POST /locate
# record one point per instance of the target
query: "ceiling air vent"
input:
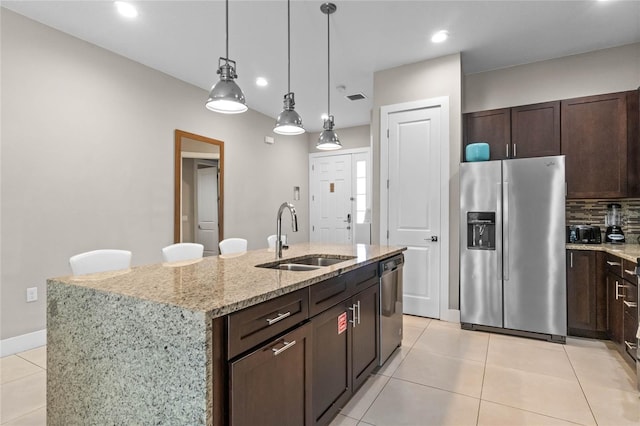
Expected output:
(356, 97)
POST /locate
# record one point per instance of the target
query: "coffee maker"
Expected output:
(613, 221)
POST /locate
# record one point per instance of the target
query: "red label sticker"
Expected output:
(342, 323)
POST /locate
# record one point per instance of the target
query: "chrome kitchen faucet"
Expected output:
(294, 226)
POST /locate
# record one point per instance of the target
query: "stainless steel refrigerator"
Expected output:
(512, 247)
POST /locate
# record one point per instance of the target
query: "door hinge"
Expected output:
(313, 198)
(387, 234)
(313, 228)
(387, 183)
(387, 133)
(313, 167)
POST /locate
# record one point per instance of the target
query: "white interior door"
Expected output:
(414, 204)
(206, 232)
(331, 199)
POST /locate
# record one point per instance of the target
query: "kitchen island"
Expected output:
(148, 345)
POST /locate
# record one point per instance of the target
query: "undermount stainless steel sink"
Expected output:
(320, 260)
(306, 263)
(294, 267)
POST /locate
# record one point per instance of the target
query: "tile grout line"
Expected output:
(30, 362)
(391, 376)
(24, 415)
(484, 373)
(580, 384)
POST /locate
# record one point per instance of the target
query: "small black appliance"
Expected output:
(584, 234)
(613, 220)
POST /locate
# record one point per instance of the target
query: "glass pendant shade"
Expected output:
(289, 121)
(226, 96)
(328, 139)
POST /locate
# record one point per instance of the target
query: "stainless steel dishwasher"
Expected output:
(390, 272)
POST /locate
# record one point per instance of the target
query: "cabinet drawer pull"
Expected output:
(630, 345)
(507, 150)
(618, 287)
(514, 150)
(358, 312)
(354, 308)
(280, 317)
(613, 263)
(630, 304)
(630, 272)
(286, 346)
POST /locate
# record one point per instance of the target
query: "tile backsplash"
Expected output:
(593, 212)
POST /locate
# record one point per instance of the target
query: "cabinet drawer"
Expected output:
(256, 324)
(630, 328)
(325, 294)
(613, 264)
(629, 271)
(630, 299)
(364, 277)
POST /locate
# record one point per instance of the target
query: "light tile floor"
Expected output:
(441, 375)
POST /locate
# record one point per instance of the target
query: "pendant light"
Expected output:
(289, 121)
(328, 139)
(226, 96)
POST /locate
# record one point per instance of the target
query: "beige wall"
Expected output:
(350, 138)
(424, 80)
(602, 71)
(87, 162)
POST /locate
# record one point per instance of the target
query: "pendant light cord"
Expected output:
(227, 25)
(328, 70)
(288, 47)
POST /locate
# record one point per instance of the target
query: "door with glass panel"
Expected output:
(340, 202)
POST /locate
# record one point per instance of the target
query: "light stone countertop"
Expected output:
(630, 252)
(220, 285)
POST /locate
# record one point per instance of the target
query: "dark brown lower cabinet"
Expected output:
(365, 335)
(331, 367)
(272, 385)
(586, 294)
(345, 351)
(630, 308)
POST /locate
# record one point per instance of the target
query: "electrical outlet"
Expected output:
(32, 294)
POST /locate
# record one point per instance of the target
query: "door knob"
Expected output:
(434, 238)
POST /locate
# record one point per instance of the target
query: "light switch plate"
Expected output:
(32, 294)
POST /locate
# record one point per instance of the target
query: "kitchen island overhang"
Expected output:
(140, 345)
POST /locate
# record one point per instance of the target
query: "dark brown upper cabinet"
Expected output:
(492, 127)
(535, 130)
(600, 140)
(518, 132)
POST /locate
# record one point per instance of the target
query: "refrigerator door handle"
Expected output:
(499, 232)
(505, 231)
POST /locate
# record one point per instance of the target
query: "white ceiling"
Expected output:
(185, 38)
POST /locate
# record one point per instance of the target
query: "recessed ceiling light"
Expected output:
(261, 81)
(440, 36)
(126, 9)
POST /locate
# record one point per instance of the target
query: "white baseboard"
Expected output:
(450, 315)
(22, 343)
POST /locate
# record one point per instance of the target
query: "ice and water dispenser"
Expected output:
(481, 230)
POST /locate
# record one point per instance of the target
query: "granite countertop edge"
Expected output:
(630, 252)
(218, 286)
